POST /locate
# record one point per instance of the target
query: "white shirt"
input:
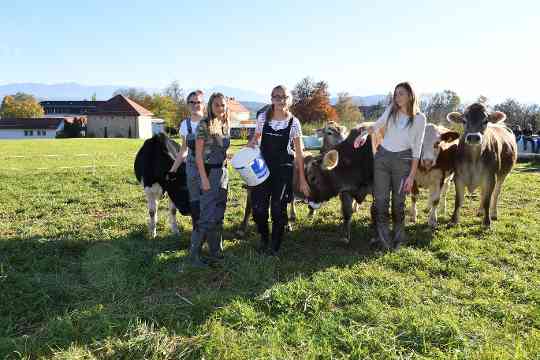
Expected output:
(184, 129)
(398, 136)
(296, 128)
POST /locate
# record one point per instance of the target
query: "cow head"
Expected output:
(435, 138)
(475, 120)
(332, 134)
(317, 171)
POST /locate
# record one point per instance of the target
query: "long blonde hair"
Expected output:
(270, 111)
(217, 127)
(412, 106)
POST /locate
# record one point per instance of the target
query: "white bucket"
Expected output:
(251, 166)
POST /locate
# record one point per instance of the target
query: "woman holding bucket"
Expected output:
(396, 161)
(276, 130)
(211, 144)
(188, 131)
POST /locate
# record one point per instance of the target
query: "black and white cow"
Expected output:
(152, 163)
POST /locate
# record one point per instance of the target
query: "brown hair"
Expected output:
(194, 93)
(412, 105)
(270, 111)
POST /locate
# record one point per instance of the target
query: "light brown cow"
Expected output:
(486, 153)
(436, 169)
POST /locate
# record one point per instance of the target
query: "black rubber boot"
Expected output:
(215, 244)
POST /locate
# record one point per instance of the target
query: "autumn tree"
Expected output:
(165, 108)
(347, 111)
(21, 105)
(311, 102)
(176, 93)
(439, 105)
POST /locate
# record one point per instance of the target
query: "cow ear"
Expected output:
(449, 136)
(330, 160)
(455, 117)
(497, 116)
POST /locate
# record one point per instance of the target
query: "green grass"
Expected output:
(80, 280)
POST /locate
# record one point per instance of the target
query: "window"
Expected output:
(30, 132)
(25, 133)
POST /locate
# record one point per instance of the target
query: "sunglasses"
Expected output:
(195, 102)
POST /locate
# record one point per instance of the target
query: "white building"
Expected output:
(30, 128)
(120, 117)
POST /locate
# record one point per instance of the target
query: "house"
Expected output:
(30, 128)
(120, 117)
(239, 117)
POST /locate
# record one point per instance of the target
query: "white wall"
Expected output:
(19, 134)
(145, 127)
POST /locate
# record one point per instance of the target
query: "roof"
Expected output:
(83, 103)
(235, 106)
(30, 123)
(121, 106)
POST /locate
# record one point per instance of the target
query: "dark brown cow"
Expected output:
(436, 168)
(486, 153)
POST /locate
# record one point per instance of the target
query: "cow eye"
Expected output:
(436, 145)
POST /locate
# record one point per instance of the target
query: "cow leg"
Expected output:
(495, 197)
(292, 217)
(172, 218)
(153, 194)
(460, 195)
(444, 191)
(480, 212)
(346, 211)
(414, 199)
(435, 197)
(355, 206)
(247, 213)
(487, 192)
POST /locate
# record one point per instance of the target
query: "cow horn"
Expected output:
(330, 160)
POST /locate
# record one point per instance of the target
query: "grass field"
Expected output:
(80, 280)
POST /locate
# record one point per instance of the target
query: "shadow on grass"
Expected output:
(71, 289)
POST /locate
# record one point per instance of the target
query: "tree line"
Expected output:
(311, 103)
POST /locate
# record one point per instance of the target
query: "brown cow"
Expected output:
(486, 153)
(436, 168)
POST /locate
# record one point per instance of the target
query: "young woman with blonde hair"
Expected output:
(211, 144)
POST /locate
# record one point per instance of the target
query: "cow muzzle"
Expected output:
(473, 139)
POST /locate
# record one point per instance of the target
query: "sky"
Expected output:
(471, 47)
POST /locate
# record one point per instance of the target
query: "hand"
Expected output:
(205, 184)
(360, 140)
(304, 188)
(408, 184)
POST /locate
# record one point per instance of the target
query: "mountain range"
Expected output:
(74, 91)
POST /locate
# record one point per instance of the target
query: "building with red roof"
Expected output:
(120, 117)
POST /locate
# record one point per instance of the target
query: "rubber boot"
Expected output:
(195, 250)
